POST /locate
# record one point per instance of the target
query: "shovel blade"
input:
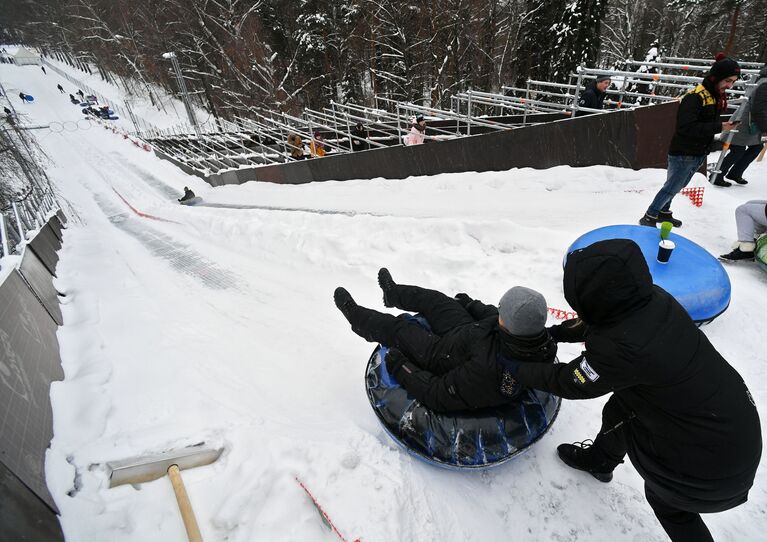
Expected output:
(137, 470)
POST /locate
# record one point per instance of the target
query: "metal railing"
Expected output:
(22, 217)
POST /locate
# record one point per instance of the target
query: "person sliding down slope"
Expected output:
(188, 195)
(461, 363)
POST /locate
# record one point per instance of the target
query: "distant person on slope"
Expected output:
(417, 133)
(9, 116)
(188, 194)
(697, 122)
(594, 96)
(460, 363)
(43, 68)
(61, 89)
(748, 142)
(23, 97)
(751, 221)
(682, 413)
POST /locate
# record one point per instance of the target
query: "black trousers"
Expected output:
(738, 159)
(610, 443)
(424, 348)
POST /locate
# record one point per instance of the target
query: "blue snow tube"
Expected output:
(469, 440)
(693, 276)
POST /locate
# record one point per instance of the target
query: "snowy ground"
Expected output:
(218, 324)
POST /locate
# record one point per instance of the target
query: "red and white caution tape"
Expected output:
(325, 517)
(560, 314)
(126, 135)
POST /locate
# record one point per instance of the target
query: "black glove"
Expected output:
(394, 361)
(463, 299)
(569, 331)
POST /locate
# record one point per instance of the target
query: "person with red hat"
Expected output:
(697, 122)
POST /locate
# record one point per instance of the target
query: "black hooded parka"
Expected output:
(691, 425)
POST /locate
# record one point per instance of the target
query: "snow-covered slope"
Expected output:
(218, 324)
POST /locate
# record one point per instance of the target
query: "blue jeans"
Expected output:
(680, 171)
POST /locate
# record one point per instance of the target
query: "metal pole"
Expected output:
(312, 144)
(399, 127)
(19, 225)
(527, 104)
(4, 235)
(468, 115)
(184, 92)
(577, 89)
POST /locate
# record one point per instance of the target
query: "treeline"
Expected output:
(288, 54)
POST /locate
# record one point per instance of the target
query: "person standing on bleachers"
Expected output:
(296, 146)
(317, 147)
(594, 96)
(417, 133)
(359, 138)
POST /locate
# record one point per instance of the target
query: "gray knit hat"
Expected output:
(523, 311)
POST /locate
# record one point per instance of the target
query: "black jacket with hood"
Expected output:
(466, 369)
(693, 431)
(591, 98)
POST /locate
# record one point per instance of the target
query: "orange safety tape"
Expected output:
(139, 213)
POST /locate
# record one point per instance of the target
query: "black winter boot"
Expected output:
(739, 180)
(344, 302)
(721, 182)
(667, 216)
(388, 285)
(582, 456)
(648, 220)
(742, 252)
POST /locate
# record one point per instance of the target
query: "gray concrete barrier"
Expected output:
(29, 362)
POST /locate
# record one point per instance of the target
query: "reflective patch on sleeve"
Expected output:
(590, 373)
(578, 377)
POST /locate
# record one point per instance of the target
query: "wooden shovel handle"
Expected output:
(184, 505)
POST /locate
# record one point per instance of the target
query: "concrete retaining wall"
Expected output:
(29, 362)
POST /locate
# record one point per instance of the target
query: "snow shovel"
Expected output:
(138, 470)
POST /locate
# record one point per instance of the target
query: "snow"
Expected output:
(218, 325)
(168, 114)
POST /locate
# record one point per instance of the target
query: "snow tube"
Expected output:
(191, 201)
(468, 440)
(761, 252)
(29, 98)
(693, 276)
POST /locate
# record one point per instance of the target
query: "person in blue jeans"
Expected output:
(697, 122)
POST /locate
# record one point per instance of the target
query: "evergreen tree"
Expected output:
(577, 37)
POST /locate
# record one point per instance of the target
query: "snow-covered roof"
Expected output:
(25, 56)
